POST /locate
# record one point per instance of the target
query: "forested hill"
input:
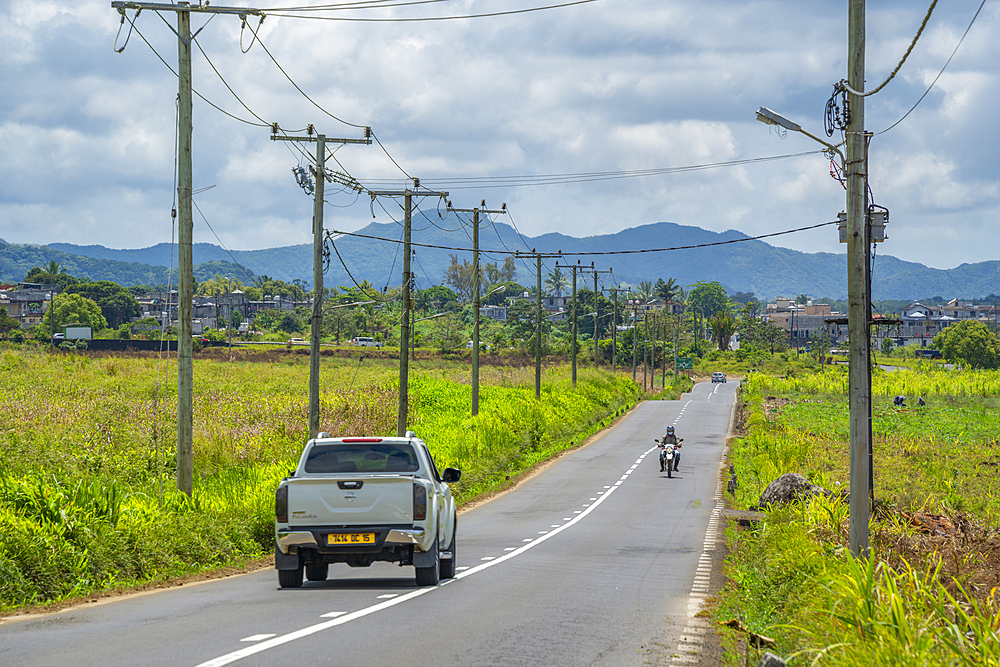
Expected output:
(16, 260)
(750, 266)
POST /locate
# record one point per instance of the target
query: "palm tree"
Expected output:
(556, 281)
(645, 290)
(54, 267)
(666, 290)
(723, 326)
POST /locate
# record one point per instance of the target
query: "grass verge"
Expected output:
(928, 593)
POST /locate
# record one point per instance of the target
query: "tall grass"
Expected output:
(792, 578)
(87, 463)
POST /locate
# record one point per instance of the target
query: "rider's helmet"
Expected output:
(670, 430)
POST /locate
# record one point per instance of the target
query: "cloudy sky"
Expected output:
(87, 134)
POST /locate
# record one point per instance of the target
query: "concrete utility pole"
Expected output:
(316, 319)
(404, 319)
(185, 227)
(858, 314)
(475, 293)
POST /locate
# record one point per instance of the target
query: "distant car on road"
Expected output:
(482, 346)
(295, 341)
(718, 377)
(365, 341)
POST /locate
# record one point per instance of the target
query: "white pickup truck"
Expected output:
(361, 500)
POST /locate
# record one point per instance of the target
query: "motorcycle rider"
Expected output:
(670, 440)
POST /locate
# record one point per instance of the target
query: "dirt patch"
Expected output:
(965, 552)
(773, 406)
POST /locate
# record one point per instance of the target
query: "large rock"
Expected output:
(788, 488)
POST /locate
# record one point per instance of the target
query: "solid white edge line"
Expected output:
(347, 618)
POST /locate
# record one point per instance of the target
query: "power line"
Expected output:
(947, 62)
(605, 252)
(913, 43)
(205, 99)
(235, 261)
(256, 34)
(390, 157)
(426, 18)
(460, 183)
(361, 4)
(225, 83)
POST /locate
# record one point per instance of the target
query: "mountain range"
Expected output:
(740, 265)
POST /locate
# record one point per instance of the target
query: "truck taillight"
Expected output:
(281, 504)
(419, 502)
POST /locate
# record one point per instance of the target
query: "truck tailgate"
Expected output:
(368, 500)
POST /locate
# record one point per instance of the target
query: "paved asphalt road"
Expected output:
(598, 560)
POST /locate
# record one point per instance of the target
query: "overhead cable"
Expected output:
(947, 62)
(256, 35)
(477, 182)
(428, 18)
(226, 84)
(205, 99)
(605, 252)
(913, 43)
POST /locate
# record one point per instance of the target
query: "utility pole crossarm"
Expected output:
(275, 137)
(185, 7)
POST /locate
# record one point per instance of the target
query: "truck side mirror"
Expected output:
(451, 475)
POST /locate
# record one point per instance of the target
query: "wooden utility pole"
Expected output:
(538, 327)
(185, 227)
(597, 302)
(316, 319)
(645, 349)
(857, 286)
(635, 318)
(539, 317)
(185, 263)
(614, 330)
(404, 320)
(575, 267)
(475, 293)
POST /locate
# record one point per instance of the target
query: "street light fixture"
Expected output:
(858, 236)
(769, 117)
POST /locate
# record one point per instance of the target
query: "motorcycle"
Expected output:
(668, 455)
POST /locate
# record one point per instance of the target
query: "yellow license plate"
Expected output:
(351, 538)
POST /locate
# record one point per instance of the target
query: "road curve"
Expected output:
(598, 560)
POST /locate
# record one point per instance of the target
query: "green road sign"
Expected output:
(684, 363)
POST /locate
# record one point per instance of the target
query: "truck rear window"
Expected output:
(375, 457)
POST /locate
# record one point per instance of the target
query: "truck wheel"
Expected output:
(317, 572)
(430, 576)
(290, 578)
(448, 564)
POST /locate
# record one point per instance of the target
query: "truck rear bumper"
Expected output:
(316, 538)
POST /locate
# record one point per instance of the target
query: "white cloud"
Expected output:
(631, 84)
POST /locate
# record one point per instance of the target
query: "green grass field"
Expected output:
(87, 452)
(924, 597)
